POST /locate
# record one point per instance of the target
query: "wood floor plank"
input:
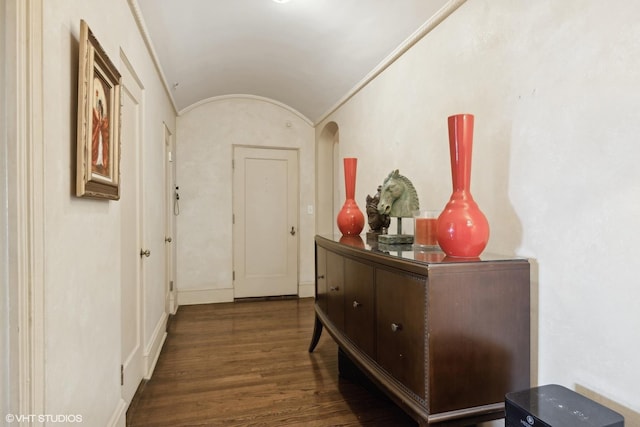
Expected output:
(247, 364)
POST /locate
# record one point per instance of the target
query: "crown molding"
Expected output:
(144, 33)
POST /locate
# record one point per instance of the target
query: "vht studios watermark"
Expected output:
(43, 418)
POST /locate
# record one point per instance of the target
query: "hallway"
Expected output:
(246, 363)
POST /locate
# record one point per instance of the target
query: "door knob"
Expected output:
(293, 231)
(146, 253)
(395, 327)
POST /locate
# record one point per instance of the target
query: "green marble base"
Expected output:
(395, 239)
(397, 248)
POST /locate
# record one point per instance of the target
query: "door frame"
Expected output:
(25, 197)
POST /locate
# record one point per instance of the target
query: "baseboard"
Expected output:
(212, 296)
(153, 349)
(119, 417)
(204, 296)
(306, 290)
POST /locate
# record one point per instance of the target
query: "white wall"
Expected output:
(205, 138)
(82, 236)
(553, 86)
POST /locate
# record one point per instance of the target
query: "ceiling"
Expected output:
(306, 54)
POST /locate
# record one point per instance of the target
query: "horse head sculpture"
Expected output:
(398, 197)
(377, 221)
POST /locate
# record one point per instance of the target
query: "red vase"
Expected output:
(353, 240)
(463, 230)
(350, 218)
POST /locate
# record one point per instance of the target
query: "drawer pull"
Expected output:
(334, 288)
(321, 277)
(356, 304)
(395, 327)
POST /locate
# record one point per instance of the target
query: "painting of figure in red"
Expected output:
(100, 131)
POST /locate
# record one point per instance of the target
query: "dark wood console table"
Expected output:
(445, 339)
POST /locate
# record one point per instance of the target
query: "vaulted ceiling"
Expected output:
(307, 54)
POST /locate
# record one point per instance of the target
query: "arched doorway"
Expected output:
(327, 168)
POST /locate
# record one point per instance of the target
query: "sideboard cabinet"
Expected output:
(444, 338)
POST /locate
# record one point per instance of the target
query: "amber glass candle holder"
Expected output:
(425, 227)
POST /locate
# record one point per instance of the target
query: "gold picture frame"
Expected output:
(98, 140)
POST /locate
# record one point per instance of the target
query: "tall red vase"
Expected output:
(350, 218)
(463, 230)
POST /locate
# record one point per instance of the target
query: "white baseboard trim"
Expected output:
(119, 416)
(212, 296)
(153, 349)
(306, 290)
(204, 296)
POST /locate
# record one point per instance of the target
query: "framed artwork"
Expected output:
(98, 145)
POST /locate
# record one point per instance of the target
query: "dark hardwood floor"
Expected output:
(247, 364)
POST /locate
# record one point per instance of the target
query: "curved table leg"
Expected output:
(317, 331)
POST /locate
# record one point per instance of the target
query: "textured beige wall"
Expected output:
(553, 88)
(82, 237)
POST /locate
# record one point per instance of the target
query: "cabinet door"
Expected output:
(335, 289)
(358, 322)
(400, 327)
(321, 278)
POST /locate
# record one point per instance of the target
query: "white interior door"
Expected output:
(265, 232)
(169, 221)
(131, 120)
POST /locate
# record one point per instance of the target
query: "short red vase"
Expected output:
(463, 230)
(350, 218)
